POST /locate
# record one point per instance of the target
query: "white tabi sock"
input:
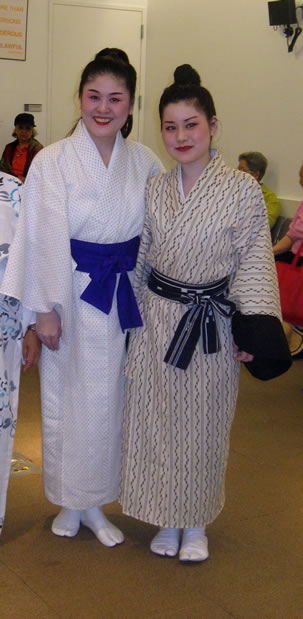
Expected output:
(105, 531)
(194, 545)
(67, 523)
(166, 542)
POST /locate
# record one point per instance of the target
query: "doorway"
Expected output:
(77, 33)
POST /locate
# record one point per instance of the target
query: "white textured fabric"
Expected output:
(12, 322)
(177, 423)
(69, 193)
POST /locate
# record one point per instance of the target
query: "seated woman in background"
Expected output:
(255, 164)
(284, 250)
(18, 155)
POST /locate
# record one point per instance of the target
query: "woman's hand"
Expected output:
(48, 328)
(241, 355)
(283, 245)
(31, 349)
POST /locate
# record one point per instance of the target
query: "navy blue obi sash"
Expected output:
(103, 263)
(203, 301)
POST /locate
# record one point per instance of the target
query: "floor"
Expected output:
(255, 569)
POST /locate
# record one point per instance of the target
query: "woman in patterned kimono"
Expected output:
(15, 321)
(205, 263)
(77, 241)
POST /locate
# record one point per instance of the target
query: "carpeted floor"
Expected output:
(255, 569)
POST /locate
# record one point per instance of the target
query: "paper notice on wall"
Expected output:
(13, 24)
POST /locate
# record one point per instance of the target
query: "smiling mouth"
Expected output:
(183, 149)
(102, 121)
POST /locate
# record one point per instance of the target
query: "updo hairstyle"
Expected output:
(187, 87)
(115, 61)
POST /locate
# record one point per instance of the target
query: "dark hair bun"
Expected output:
(113, 52)
(185, 74)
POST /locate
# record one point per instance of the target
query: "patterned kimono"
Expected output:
(70, 194)
(178, 422)
(13, 322)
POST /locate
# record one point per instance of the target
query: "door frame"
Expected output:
(140, 89)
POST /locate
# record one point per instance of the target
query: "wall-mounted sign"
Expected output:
(13, 25)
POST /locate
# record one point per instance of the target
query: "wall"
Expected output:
(256, 84)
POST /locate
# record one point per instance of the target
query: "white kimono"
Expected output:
(13, 323)
(69, 193)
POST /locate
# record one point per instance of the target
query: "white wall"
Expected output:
(256, 84)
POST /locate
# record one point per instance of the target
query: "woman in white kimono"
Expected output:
(15, 321)
(207, 291)
(77, 240)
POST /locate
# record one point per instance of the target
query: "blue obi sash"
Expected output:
(103, 263)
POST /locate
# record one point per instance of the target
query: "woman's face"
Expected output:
(301, 176)
(105, 106)
(23, 133)
(187, 133)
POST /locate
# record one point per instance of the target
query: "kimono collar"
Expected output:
(81, 137)
(214, 162)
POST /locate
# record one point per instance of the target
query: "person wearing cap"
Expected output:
(18, 155)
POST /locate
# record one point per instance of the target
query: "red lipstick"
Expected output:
(183, 149)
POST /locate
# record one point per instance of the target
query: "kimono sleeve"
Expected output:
(10, 198)
(256, 325)
(39, 271)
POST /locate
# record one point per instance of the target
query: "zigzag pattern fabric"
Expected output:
(177, 422)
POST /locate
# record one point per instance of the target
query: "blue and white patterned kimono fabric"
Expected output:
(11, 330)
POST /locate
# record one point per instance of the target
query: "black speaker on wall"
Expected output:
(282, 12)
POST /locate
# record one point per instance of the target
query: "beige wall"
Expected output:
(256, 84)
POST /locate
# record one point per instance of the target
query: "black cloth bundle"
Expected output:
(262, 336)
